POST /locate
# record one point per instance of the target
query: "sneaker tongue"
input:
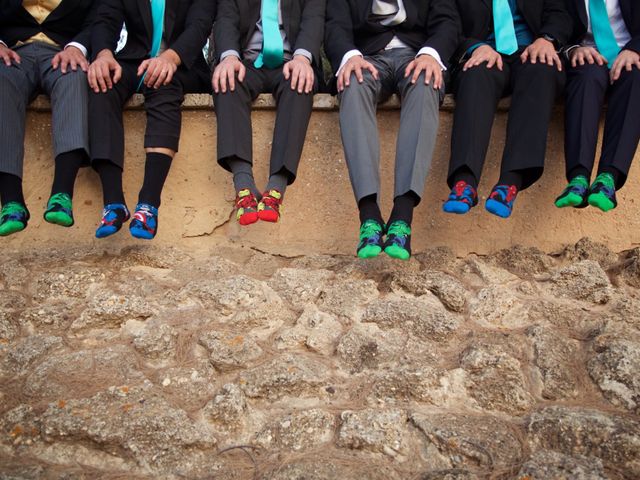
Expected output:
(275, 194)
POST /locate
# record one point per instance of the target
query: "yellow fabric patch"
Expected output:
(40, 10)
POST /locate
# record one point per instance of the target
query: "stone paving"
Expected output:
(234, 364)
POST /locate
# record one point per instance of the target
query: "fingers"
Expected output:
(84, 65)
(102, 71)
(525, 55)
(117, 72)
(499, 62)
(372, 69)
(224, 76)
(359, 75)
(153, 70)
(215, 79)
(491, 62)
(91, 77)
(242, 70)
(558, 62)
(143, 66)
(286, 70)
(311, 79)
(409, 68)
(231, 77)
(55, 61)
(8, 55)
(295, 74)
(161, 78)
(64, 63)
(419, 67)
(346, 74)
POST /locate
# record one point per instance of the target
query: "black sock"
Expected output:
(466, 175)
(403, 206)
(577, 171)
(513, 177)
(67, 166)
(242, 175)
(156, 169)
(278, 181)
(369, 209)
(613, 171)
(11, 189)
(111, 179)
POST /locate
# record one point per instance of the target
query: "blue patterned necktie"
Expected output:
(272, 54)
(505, 31)
(602, 31)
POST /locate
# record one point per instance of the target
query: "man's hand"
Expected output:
(225, 73)
(484, 53)
(70, 56)
(355, 64)
(160, 69)
(626, 59)
(7, 55)
(584, 55)
(301, 73)
(99, 75)
(544, 51)
(431, 68)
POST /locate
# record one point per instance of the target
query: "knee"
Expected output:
(590, 74)
(632, 76)
(357, 89)
(72, 79)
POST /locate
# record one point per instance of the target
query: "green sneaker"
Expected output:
(59, 210)
(398, 244)
(13, 218)
(575, 193)
(370, 244)
(602, 193)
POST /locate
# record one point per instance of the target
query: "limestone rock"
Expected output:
(227, 410)
(437, 258)
(579, 431)
(447, 288)
(298, 431)
(565, 315)
(450, 474)
(380, 431)
(190, 387)
(344, 298)
(496, 379)
(300, 287)
(498, 306)
(488, 273)
(11, 300)
(262, 320)
(20, 356)
(587, 249)
(73, 281)
(522, 261)
(552, 465)
(404, 384)
(8, 327)
(109, 309)
(631, 269)
(318, 331)
(228, 350)
(156, 341)
(365, 346)
(585, 280)
(333, 468)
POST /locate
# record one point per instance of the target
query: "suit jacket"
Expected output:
(303, 23)
(630, 13)
(429, 23)
(69, 22)
(543, 17)
(187, 25)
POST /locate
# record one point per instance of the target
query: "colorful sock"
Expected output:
(113, 217)
(403, 206)
(370, 243)
(575, 193)
(242, 175)
(602, 193)
(156, 169)
(144, 223)
(500, 201)
(59, 210)
(67, 166)
(13, 218)
(369, 209)
(11, 189)
(269, 206)
(398, 244)
(111, 179)
(465, 175)
(463, 197)
(246, 207)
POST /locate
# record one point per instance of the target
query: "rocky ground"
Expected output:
(235, 364)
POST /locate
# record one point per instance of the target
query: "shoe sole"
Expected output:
(595, 199)
(9, 228)
(369, 252)
(459, 208)
(397, 253)
(62, 220)
(497, 208)
(248, 219)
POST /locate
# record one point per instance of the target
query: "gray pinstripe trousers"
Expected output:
(20, 84)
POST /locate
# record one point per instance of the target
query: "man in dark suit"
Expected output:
(43, 48)
(163, 60)
(509, 47)
(377, 48)
(265, 46)
(605, 61)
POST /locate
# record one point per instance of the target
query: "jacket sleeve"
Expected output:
(197, 28)
(105, 30)
(226, 29)
(312, 28)
(443, 28)
(338, 32)
(557, 22)
(84, 36)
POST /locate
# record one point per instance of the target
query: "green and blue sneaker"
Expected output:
(370, 244)
(398, 244)
(13, 218)
(602, 193)
(59, 210)
(575, 193)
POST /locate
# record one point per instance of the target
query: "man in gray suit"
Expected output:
(43, 48)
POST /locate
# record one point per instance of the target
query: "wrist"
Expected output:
(172, 56)
(303, 58)
(106, 53)
(549, 39)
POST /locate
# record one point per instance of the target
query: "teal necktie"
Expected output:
(157, 18)
(272, 54)
(505, 31)
(602, 32)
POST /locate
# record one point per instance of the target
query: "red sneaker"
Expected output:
(270, 205)
(247, 207)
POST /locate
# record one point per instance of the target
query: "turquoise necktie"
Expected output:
(157, 18)
(272, 54)
(602, 32)
(505, 31)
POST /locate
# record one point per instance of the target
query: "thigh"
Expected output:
(23, 76)
(537, 79)
(482, 80)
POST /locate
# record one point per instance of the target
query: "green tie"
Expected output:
(602, 32)
(505, 31)
(157, 17)
(272, 54)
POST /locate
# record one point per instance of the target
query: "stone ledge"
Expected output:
(203, 101)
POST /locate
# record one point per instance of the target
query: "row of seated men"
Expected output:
(532, 50)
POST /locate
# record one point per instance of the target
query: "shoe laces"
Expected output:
(246, 199)
(399, 229)
(272, 199)
(13, 211)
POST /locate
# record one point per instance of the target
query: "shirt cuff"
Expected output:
(304, 53)
(229, 53)
(2, 43)
(346, 57)
(432, 52)
(79, 46)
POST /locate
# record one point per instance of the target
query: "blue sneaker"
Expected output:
(500, 201)
(144, 223)
(113, 217)
(462, 198)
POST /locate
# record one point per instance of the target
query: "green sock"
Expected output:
(13, 218)
(370, 243)
(59, 210)
(574, 193)
(603, 192)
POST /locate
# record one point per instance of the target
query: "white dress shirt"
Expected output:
(620, 31)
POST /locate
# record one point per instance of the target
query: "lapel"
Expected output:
(251, 12)
(489, 4)
(63, 8)
(169, 17)
(145, 11)
(285, 10)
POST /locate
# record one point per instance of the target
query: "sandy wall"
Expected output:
(320, 212)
